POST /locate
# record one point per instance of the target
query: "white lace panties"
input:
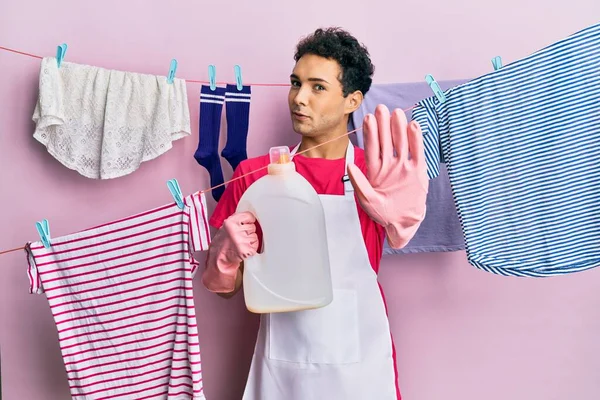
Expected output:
(105, 123)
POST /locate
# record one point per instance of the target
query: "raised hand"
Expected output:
(394, 192)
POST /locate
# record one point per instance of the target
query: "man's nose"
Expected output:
(301, 97)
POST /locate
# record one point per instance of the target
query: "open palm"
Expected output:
(394, 192)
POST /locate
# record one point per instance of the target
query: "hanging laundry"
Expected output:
(207, 153)
(238, 115)
(521, 147)
(440, 230)
(105, 123)
(122, 299)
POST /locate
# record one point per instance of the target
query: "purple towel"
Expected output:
(440, 230)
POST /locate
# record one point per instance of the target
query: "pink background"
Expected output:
(460, 333)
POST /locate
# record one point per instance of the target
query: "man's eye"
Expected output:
(319, 87)
(295, 83)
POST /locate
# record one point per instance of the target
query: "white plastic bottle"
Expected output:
(292, 271)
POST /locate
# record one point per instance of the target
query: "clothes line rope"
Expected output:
(241, 176)
(297, 153)
(228, 181)
(11, 250)
(187, 80)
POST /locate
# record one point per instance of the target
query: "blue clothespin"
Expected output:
(238, 77)
(437, 90)
(176, 192)
(212, 76)
(497, 63)
(172, 70)
(43, 229)
(60, 53)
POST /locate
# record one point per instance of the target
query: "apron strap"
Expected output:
(348, 188)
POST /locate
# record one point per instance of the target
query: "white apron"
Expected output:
(342, 351)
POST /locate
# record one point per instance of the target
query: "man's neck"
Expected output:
(329, 148)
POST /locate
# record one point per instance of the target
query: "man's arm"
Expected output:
(236, 239)
(238, 283)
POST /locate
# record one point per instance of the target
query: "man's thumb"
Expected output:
(361, 184)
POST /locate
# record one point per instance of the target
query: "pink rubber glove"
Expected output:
(235, 241)
(395, 190)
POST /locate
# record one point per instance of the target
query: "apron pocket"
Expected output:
(327, 335)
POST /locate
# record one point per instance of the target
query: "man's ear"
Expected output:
(353, 101)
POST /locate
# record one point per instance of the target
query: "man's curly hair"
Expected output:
(339, 45)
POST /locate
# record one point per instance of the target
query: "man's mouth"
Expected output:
(300, 116)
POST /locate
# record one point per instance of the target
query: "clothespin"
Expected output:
(60, 53)
(175, 190)
(497, 63)
(212, 76)
(43, 229)
(437, 90)
(172, 70)
(238, 77)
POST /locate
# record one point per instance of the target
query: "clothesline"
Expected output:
(187, 80)
(226, 182)
(241, 176)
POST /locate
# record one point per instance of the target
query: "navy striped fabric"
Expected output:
(522, 147)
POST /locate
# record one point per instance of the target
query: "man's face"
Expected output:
(316, 100)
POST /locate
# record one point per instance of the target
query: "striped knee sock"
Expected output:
(237, 103)
(207, 153)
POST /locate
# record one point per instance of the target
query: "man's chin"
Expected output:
(301, 130)
(304, 130)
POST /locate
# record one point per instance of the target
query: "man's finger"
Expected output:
(399, 135)
(371, 138)
(361, 184)
(382, 114)
(251, 247)
(248, 228)
(416, 146)
(244, 217)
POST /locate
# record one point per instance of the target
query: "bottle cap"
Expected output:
(279, 155)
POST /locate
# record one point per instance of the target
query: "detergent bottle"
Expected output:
(291, 272)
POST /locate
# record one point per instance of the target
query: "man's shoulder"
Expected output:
(250, 164)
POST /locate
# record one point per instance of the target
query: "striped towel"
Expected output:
(521, 145)
(122, 300)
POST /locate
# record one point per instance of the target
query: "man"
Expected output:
(343, 351)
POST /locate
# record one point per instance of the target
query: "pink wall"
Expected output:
(461, 333)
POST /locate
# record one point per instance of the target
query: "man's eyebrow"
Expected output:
(292, 76)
